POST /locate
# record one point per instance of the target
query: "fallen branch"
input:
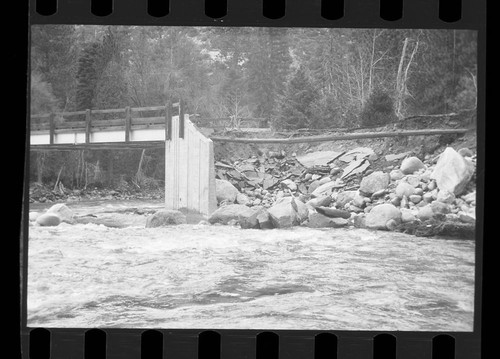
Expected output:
(353, 136)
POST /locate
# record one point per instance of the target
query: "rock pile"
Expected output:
(315, 190)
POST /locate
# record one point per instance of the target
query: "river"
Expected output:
(223, 277)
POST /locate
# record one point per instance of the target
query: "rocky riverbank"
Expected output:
(433, 196)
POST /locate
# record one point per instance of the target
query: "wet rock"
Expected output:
(318, 220)
(323, 201)
(264, 220)
(232, 211)
(445, 197)
(48, 220)
(247, 220)
(333, 212)
(165, 217)
(64, 213)
(242, 198)
(452, 172)
(345, 197)
(374, 182)
(203, 223)
(225, 191)
(404, 189)
(381, 214)
(411, 165)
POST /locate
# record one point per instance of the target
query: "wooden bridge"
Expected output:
(189, 153)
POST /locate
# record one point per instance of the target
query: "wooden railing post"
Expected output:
(181, 119)
(128, 123)
(88, 125)
(168, 121)
(52, 128)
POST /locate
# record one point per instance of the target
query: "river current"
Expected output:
(224, 277)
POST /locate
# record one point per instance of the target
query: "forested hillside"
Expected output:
(292, 77)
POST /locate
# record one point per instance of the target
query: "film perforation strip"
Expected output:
(190, 344)
(209, 344)
(390, 10)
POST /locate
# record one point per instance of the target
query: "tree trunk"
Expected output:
(110, 167)
(399, 81)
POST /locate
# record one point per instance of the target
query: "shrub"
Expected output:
(378, 109)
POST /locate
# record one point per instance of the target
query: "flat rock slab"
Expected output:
(333, 212)
(318, 158)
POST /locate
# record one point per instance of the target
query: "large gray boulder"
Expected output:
(165, 217)
(225, 191)
(318, 220)
(411, 165)
(378, 217)
(288, 212)
(230, 212)
(48, 220)
(374, 182)
(452, 172)
(61, 210)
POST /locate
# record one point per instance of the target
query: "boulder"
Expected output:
(392, 224)
(232, 211)
(242, 198)
(48, 220)
(264, 220)
(411, 165)
(64, 213)
(324, 180)
(247, 220)
(404, 189)
(345, 197)
(374, 182)
(452, 172)
(165, 217)
(225, 191)
(333, 212)
(378, 217)
(288, 212)
(359, 201)
(323, 201)
(318, 220)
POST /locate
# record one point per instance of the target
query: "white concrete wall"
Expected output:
(189, 170)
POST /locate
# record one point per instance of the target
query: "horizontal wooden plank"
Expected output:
(151, 108)
(99, 145)
(74, 113)
(353, 136)
(116, 110)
